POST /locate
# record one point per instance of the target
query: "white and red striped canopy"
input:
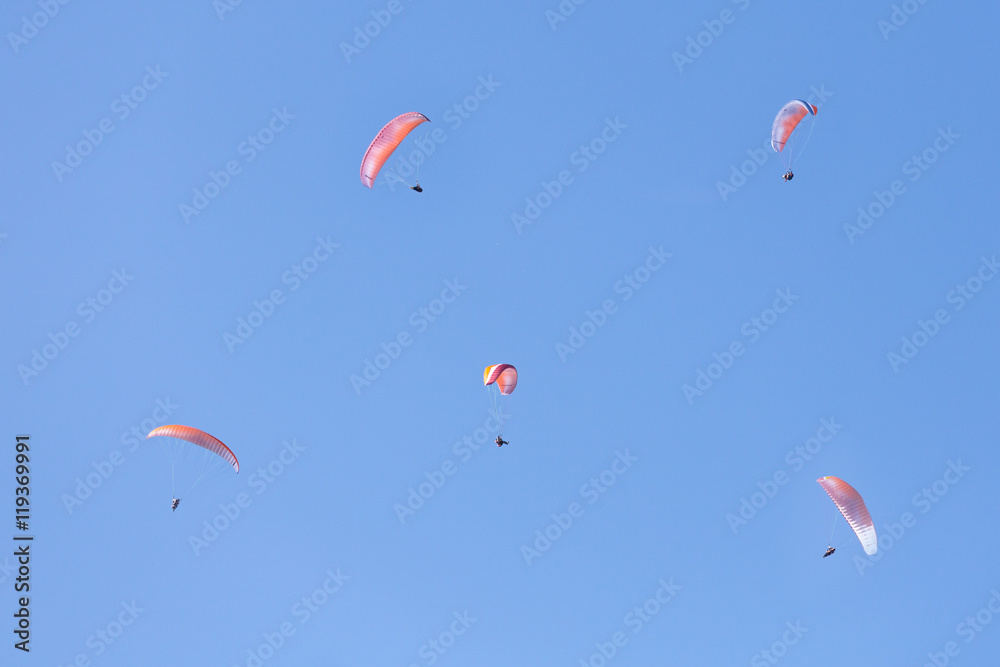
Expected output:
(853, 508)
(199, 438)
(385, 142)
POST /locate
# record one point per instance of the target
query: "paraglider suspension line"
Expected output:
(829, 542)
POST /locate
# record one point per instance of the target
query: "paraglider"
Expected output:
(385, 142)
(175, 436)
(785, 133)
(853, 508)
(500, 379)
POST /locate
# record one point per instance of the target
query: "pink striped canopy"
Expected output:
(385, 142)
(504, 375)
(787, 120)
(853, 508)
(199, 438)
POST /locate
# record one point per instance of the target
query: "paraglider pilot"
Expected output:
(175, 503)
(501, 442)
(417, 187)
(829, 552)
(788, 175)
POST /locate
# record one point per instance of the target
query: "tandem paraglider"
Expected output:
(786, 135)
(188, 466)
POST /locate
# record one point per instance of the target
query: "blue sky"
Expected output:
(664, 238)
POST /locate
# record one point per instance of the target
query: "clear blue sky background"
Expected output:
(462, 552)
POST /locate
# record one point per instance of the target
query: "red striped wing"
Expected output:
(199, 438)
(385, 142)
(853, 508)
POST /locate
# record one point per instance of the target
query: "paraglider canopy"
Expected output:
(787, 120)
(853, 508)
(504, 375)
(199, 438)
(385, 142)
